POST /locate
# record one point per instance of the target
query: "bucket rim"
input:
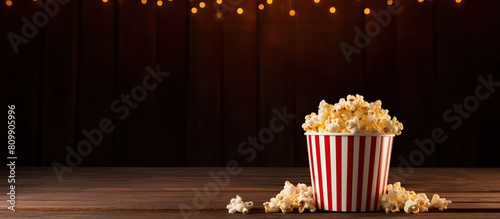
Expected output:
(350, 134)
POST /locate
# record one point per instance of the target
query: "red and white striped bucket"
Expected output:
(349, 171)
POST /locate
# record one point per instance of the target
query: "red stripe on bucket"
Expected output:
(350, 170)
(320, 173)
(362, 140)
(311, 164)
(370, 172)
(328, 172)
(338, 153)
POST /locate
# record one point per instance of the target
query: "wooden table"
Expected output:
(107, 192)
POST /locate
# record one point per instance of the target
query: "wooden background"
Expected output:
(227, 76)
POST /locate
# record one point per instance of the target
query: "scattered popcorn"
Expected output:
(396, 198)
(440, 203)
(237, 205)
(352, 115)
(292, 197)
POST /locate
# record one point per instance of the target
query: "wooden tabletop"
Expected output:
(125, 192)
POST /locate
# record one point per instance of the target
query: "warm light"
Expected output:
(292, 12)
(239, 11)
(316, 1)
(159, 3)
(219, 2)
(261, 7)
(218, 15)
(367, 11)
(104, 1)
(194, 10)
(389, 2)
(458, 1)
(144, 2)
(8, 2)
(333, 10)
(269, 2)
(202, 4)
(420, 0)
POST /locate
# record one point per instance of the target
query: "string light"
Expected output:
(159, 3)
(269, 2)
(292, 12)
(202, 4)
(104, 1)
(144, 2)
(458, 1)
(316, 1)
(239, 11)
(367, 11)
(420, 1)
(333, 10)
(194, 10)
(261, 7)
(389, 2)
(219, 2)
(8, 2)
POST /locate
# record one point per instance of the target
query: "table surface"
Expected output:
(132, 192)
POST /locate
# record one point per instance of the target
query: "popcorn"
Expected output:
(237, 205)
(440, 203)
(292, 197)
(396, 198)
(352, 115)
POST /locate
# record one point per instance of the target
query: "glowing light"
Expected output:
(202, 4)
(144, 2)
(194, 10)
(159, 3)
(390, 2)
(333, 10)
(367, 11)
(219, 2)
(8, 2)
(316, 1)
(458, 1)
(292, 12)
(218, 15)
(269, 2)
(261, 7)
(239, 10)
(420, 1)
(104, 1)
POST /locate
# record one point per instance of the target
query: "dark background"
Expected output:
(227, 76)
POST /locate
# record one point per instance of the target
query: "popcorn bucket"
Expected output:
(349, 171)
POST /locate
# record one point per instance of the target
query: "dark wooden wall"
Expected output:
(227, 76)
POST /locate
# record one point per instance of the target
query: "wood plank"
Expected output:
(136, 51)
(484, 32)
(416, 81)
(155, 192)
(322, 69)
(277, 82)
(96, 78)
(59, 78)
(455, 82)
(205, 76)
(239, 85)
(20, 82)
(170, 98)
